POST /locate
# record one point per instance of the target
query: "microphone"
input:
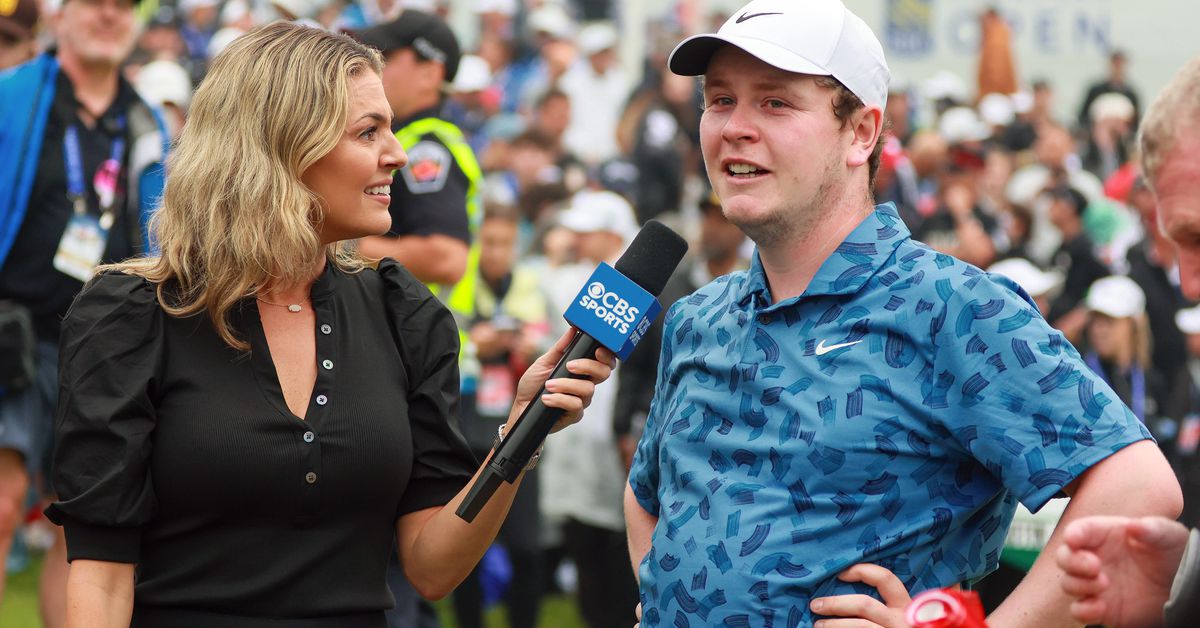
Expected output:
(613, 310)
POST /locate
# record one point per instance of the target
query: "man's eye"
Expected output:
(775, 103)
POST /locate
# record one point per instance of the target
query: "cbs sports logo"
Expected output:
(609, 307)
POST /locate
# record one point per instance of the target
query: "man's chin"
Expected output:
(106, 56)
(763, 229)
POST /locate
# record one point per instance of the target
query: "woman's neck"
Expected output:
(279, 292)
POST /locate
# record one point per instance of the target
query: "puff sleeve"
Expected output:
(427, 339)
(109, 360)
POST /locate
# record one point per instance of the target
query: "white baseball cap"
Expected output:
(1117, 296)
(819, 37)
(1188, 320)
(1032, 279)
(473, 74)
(962, 124)
(596, 36)
(997, 109)
(552, 20)
(503, 7)
(161, 82)
(593, 211)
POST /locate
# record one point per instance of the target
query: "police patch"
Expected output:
(428, 166)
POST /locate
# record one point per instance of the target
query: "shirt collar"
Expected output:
(67, 104)
(862, 254)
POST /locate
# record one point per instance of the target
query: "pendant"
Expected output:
(294, 308)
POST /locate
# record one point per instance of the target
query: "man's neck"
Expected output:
(95, 85)
(790, 266)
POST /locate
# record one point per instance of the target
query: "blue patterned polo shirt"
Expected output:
(893, 414)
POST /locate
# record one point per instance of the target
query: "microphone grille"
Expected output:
(652, 257)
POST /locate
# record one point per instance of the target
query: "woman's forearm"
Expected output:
(438, 549)
(99, 594)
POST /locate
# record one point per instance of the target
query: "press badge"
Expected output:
(81, 247)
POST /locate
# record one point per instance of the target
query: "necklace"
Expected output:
(293, 308)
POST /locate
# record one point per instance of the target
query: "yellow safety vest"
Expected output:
(460, 297)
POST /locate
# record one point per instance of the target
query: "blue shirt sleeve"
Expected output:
(644, 473)
(1016, 395)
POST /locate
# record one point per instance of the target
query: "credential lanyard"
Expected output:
(107, 178)
(1137, 381)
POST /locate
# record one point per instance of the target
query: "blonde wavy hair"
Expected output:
(235, 215)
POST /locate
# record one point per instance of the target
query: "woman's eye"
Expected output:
(776, 104)
(369, 134)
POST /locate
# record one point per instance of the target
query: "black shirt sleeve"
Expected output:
(429, 195)
(109, 357)
(428, 342)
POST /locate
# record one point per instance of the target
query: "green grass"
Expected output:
(19, 608)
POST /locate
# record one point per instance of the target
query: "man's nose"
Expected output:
(740, 124)
(1189, 272)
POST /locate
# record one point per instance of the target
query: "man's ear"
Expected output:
(867, 126)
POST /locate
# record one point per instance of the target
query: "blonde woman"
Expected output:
(251, 419)
(1117, 345)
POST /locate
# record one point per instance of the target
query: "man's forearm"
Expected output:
(1108, 488)
(639, 525)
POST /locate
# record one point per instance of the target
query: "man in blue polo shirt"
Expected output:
(854, 397)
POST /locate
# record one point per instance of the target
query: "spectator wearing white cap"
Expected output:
(547, 53)
(1117, 82)
(199, 24)
(496, 17)
(959, 226)
(598, 89)
(583, 475)
(167, 85)
(1111, 136)
(473, 100)
(1117, 344)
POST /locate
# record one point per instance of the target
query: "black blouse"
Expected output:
(179, 454)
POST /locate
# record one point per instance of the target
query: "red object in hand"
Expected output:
(946, 608)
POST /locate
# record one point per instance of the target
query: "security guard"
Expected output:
(436, 197)
(436, 201)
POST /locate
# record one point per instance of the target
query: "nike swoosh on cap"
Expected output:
(822, 349)
(749, 16)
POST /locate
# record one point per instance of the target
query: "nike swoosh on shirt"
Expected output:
(822, 349)
(747, 16)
